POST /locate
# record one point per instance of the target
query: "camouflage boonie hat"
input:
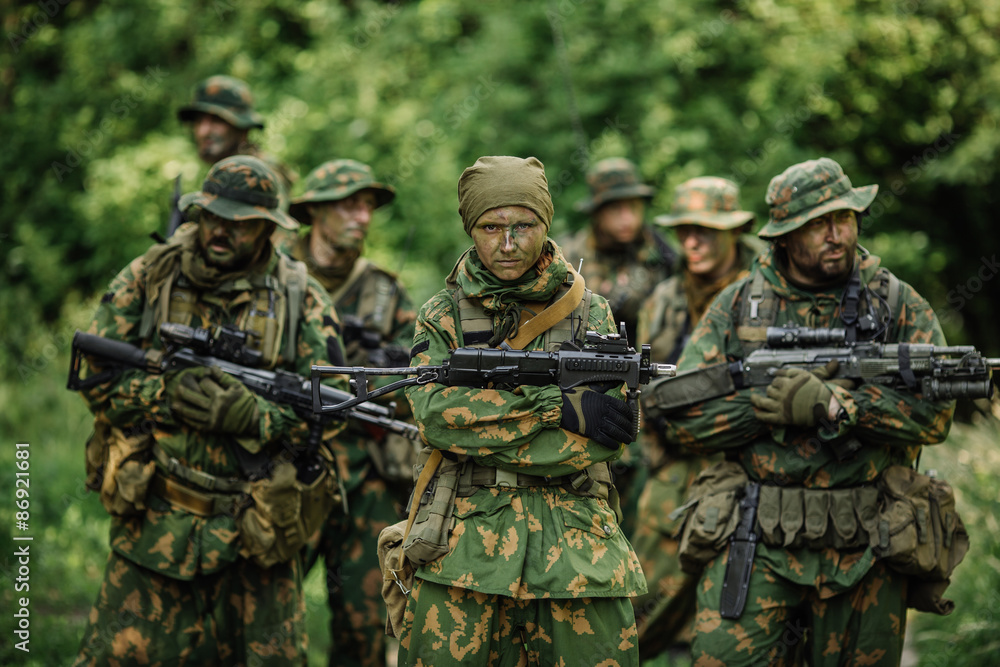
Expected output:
(241, 187)
(806, 191)
(706, 201)
(613, 179)
(336, 180)
(225, 97)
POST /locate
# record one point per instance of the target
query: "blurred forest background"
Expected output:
(903, 93)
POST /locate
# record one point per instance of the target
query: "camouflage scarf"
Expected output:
(504, 300)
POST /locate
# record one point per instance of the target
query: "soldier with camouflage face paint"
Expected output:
(220, 116)
(198, 472)
(377, 319)
(624, 259)
(816, 592)
(538, 570)
(716, 250)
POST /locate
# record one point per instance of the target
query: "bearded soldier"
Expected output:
(537, 568)
(213, 490)
(808, 454)
(377, 326)
(716, 250)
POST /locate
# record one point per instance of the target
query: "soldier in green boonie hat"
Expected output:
(377, 324)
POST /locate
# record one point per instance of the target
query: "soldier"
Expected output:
(198, 473)
(716, 251)
(817, 446)
(537, 567)
(221, 116)
(377, 319)
(623, 260)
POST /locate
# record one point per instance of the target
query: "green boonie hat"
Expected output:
(226, 97)
(241, 187)
(706, 201)
(808, 190)
(613, 179)
(336, 180)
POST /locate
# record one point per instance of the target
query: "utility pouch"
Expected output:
(428, 538)
(712, 515)
(393, 457)
(397, 575)
(120, 467)
(920, 534)
(793, 517)
(284, 514)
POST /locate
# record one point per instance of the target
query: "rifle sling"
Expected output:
(546, 319)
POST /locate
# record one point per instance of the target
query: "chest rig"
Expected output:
(266, 307)
(376, 297)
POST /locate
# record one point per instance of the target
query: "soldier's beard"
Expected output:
(830, 265)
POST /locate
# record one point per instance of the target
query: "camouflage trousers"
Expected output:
(785, 623)
(353, 578)
(242, 615)
(665, 614)
(445, 626)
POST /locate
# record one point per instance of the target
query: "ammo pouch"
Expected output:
(397, 575)
(428, 538)
(712, 514)
(120, 467)
(284, 514)
(920, 534)
(794, 517)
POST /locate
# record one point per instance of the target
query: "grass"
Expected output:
(69, 528)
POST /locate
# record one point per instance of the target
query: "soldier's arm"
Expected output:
(881, 415)
(721, 423)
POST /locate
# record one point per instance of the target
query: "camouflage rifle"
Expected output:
(602, 359)
(227, 351)
(937, 372)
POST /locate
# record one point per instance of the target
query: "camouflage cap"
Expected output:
(808, 190)
(241, 187)
(336, 180)
(613, 179)
(226, 97)
(706, 201)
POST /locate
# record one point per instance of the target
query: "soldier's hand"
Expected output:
(589, 411)
(214, 401)
(798, 397)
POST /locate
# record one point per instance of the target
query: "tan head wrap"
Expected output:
(496, 181)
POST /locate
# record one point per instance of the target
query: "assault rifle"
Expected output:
(937, 372)
(603, 358)
(227, 351)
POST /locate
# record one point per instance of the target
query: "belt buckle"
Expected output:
(506, 479)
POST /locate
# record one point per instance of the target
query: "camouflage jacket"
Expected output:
(664, 321)
(624, 276)
(891, 424)
(528, 542)
(394, 330)
(172, 541)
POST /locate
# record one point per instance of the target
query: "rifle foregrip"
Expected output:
(110, 350)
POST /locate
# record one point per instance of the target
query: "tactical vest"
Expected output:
(275, 306)
(377, 298)
(670, 314)
(758, 307)
(475, 326)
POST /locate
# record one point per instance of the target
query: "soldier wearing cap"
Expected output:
(623, 260)
(817, 446)
(716, 248)
(213, 490)
(221, 116)
(377, 319)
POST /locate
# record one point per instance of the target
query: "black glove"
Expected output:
(589, 411)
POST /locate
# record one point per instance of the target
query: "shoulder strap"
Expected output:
(294, 277)
(359, 267)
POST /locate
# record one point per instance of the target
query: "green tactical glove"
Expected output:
(798, 397)
(213, 401)
(589, 411)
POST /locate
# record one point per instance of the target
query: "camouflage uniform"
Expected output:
(664, 614)
(533, 566)
(230, 99)
(179, 587)
(377, 319)
(825, 605)
(625, 275)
